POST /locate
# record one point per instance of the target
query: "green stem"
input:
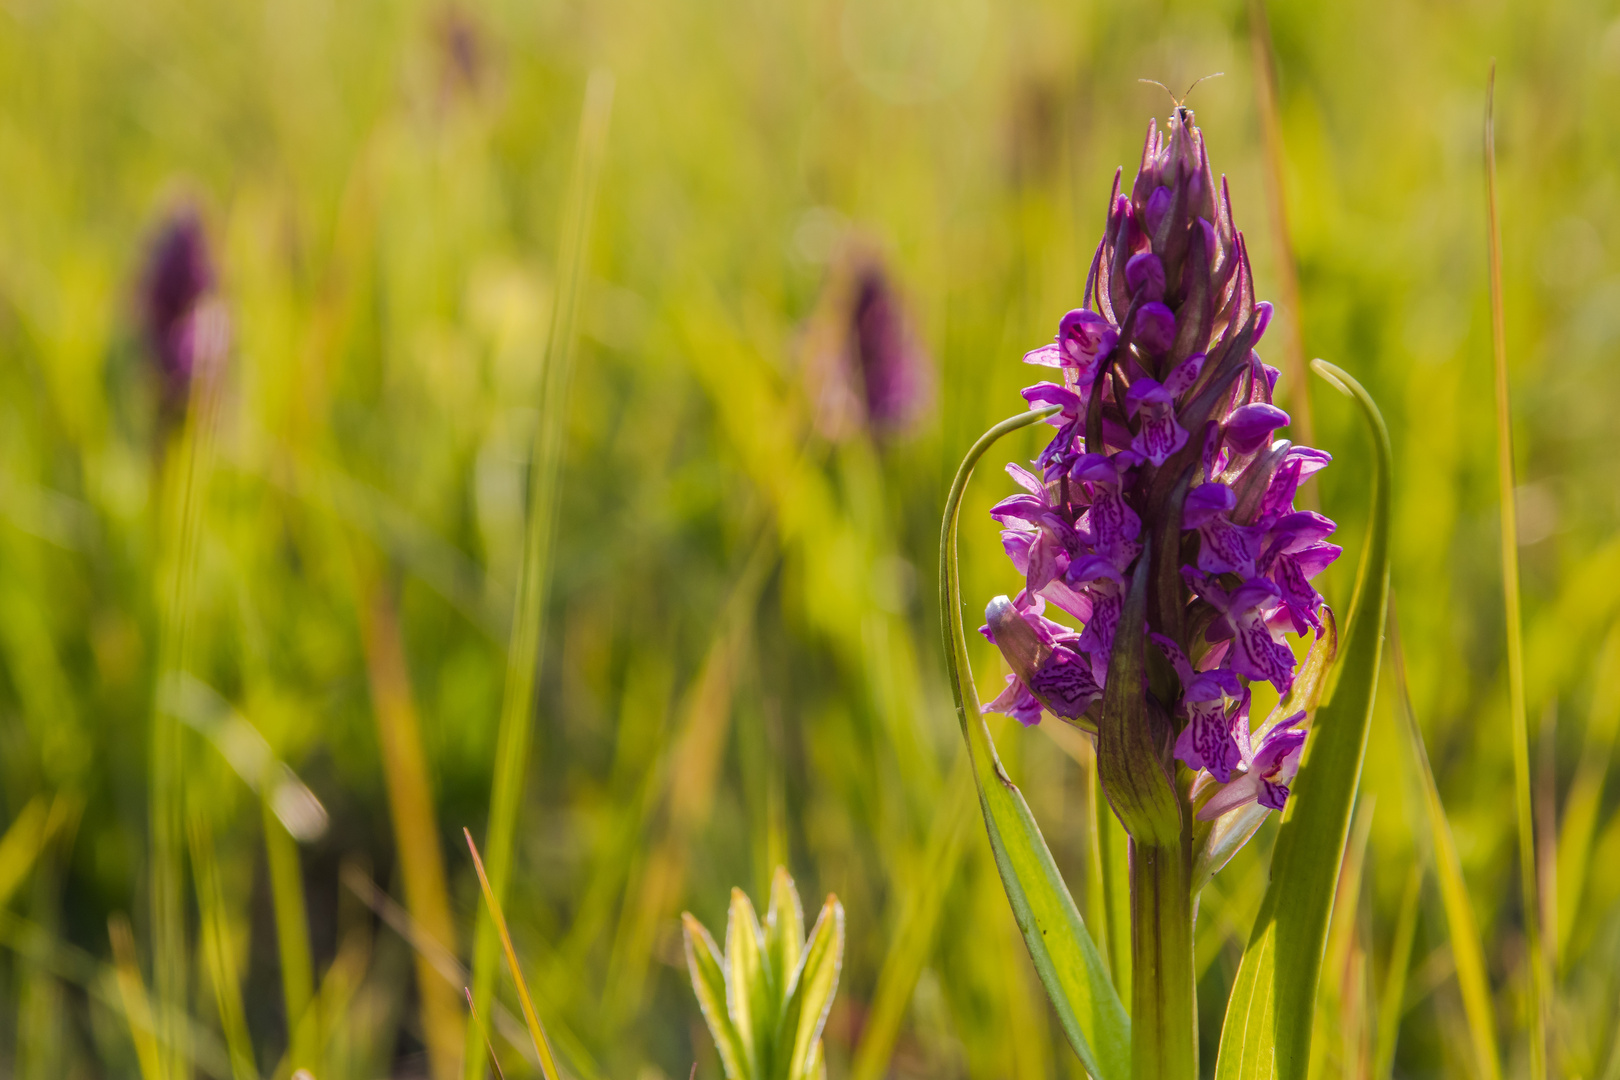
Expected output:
(1164, 1014)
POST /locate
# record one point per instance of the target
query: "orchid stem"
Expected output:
(1164, 1014)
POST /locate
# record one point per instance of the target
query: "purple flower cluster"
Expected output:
(1166, 449)
(867, 368)
(178, 281)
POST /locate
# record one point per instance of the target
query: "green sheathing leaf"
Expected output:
(1268, 1017)
(1075, 977)
(707, 968)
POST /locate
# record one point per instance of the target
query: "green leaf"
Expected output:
(814, 984)
(1268, 1017)
(753, 1012)
(704, 962)
(1133, 775)
(784, 938)
(1066, 960)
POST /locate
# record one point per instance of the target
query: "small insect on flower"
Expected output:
(1166, 450)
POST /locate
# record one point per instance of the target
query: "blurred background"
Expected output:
(824, 235)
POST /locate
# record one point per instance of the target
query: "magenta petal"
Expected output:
(1280, 743)
(1158, 204)
(1045, 356)
(1027, 480)
(1017, 702)
(1159, 438)
(1144, 276)
(1204, 502)
(1146, 391)
(1225, 548)
(1262, 319)
(1098, 468)
(1245, 789)
(1083, 336)
(1155, 328)
(1181, 380)
(1066, 684)
(1178, 659)
(1250, 426)
(1042, 394)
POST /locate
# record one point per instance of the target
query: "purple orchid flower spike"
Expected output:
(1166, 449)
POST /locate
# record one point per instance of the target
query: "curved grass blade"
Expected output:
(1268, 1017)
(1075, 977)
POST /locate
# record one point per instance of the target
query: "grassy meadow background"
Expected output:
(741, 663)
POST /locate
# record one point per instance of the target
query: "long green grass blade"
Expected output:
(1075, 977)
(1518, 721)
(1461, 928)
(1268, 1017)
(534, 572)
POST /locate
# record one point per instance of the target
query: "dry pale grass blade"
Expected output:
(1393, 994)
(132, 990)
(534, 569)
(1582, 804)
(1461, 928)
(416, 835)
(472, 1008)
(443, 961)
(1518, 721)
(214, 930)
(542, 1048)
